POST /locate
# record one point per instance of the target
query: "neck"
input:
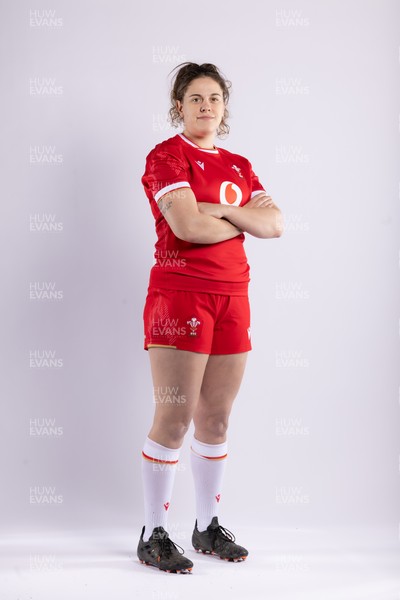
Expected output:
(206, 141)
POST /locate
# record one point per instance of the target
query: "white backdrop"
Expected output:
(314, 434)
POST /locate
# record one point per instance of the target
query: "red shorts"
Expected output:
(196, 321)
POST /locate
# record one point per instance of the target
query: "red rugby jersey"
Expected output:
(214, 176)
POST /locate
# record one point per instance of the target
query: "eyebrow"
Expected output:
(213, 94)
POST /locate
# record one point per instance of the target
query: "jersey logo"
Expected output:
(230, 193)
(166, 505)
(238, 170)
(218, 497)
(201, 164)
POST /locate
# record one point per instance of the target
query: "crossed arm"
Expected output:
(209, 223)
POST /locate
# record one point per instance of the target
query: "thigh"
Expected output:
(221, 382)
(177, 378)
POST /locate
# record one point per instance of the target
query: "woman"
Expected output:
(196, 316)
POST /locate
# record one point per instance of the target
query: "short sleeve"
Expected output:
(256, 186)
(164, 172)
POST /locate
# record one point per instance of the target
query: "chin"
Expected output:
(207, 128)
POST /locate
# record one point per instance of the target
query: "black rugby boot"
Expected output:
(161, 552)
(219, 541)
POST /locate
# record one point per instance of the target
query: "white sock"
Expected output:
(158, 474)
(208, 465)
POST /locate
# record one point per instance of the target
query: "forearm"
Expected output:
(205, 229)
(265, 222)
(180, 210)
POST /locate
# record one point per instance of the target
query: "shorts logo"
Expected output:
(230, 193)
(249, 332)
(193, 324)
(218, 497)
(166, 505)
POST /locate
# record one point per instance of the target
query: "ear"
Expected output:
(179, 107)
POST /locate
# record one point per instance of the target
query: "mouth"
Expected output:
(206, 118)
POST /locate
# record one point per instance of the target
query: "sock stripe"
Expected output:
(209, 457)
(157, 460)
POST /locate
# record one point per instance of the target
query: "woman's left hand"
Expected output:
(261, 200)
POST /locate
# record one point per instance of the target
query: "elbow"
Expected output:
(278, 232)
(277, 225)
(184, 235)
(187, 237)
(268, 234)
(274, 228)
(193, 237)
(187, 232)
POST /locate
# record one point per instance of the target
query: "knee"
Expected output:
(177, 431)
(171, 433)
(216, 425)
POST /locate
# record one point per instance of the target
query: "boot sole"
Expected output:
(175, 571)
(210, 552)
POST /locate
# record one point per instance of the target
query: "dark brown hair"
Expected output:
(182, 79)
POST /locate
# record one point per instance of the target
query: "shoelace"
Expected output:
(224, 533)
(167, 546)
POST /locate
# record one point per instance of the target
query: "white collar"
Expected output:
(196, 146)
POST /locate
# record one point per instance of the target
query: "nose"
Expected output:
(205, 106)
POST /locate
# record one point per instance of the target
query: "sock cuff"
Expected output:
(154, 452)
(209, 451)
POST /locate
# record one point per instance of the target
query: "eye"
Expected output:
(215, 99)
(195, 99)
